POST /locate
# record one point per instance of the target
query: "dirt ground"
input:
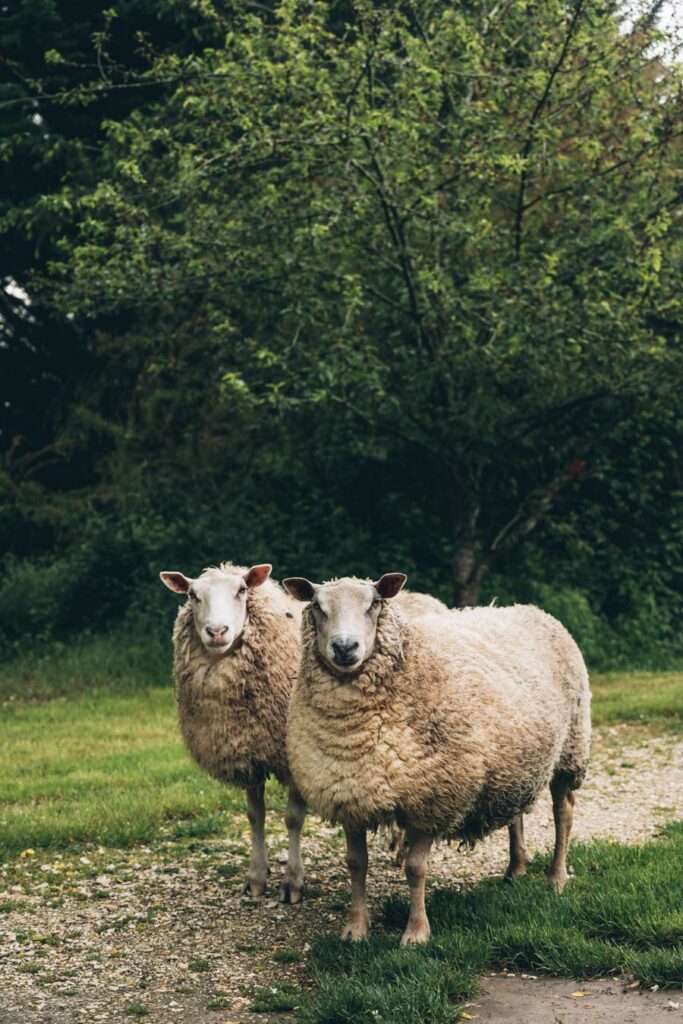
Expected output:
(162, 933)
(523, 999)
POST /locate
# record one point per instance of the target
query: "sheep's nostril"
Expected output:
(216, 632)
(345, 652)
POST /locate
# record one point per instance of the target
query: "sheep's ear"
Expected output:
(390, 584)
(257, 575)
(176, 582)
(299, 588)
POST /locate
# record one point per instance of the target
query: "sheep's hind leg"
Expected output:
(419, 845)
(358, 924)
(258, 866)
(292, 884)
(563, 813)
(396, 842)
(519, 858)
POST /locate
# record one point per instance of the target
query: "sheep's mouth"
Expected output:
(346, 668)
(218, 646)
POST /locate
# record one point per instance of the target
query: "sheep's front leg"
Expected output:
(419, 845)
(292, 884)
(519, 858)
(358, 924)
(258, 866)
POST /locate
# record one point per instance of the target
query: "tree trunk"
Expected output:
(468, 571)
(466, 595)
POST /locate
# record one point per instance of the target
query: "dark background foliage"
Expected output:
(348, 288)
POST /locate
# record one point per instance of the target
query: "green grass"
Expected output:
(136, 1010)
(622, 913)
(287, 956)
(90, 752)
(117, 662)
(283, 998)
(651, 698)
(103, 769)
(199, 966)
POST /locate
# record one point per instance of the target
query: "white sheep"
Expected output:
(236, 652)
(451, 723)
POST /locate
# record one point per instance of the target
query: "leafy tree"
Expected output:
(65, 69)
(447, 236)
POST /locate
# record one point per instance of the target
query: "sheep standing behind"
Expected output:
(236, 650)
(451, 723)
(414, 605)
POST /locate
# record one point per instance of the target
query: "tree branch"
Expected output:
(533, 122)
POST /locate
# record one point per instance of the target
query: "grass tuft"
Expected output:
(284, 998)
(287, 956)
(199, 966)
(136, 1010)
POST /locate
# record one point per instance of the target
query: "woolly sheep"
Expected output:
(414, 605)
(452, 723)
(236, 650)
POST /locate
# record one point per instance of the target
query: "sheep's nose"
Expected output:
(345, 652)
(217, 632)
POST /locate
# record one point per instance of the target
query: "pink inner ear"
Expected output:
(257, 575)
(176, 582)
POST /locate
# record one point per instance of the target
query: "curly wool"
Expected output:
(454, 725)
(415, 605)
(233, 710)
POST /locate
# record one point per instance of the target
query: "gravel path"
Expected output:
(162, 934)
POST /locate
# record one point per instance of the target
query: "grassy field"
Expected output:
(622, 913)
(652, 698)
(104, 765)
(90, 754)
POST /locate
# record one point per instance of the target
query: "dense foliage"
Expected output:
(349, 286)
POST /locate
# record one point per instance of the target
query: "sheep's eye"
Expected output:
(318, 609)
(194, 596)
(241, 591)
(375, 604)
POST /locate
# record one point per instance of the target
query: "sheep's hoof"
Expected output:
(517, 870)
(291, 892)
(557, 882)
(356, 928)
(416, 933)
(253, 888)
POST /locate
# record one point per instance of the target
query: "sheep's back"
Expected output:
(413, 604)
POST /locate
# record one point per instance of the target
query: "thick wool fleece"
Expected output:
(233, 709)
(454, 725)
(415, 605)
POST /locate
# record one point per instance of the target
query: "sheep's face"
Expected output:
(345, 614)
(218, 599)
